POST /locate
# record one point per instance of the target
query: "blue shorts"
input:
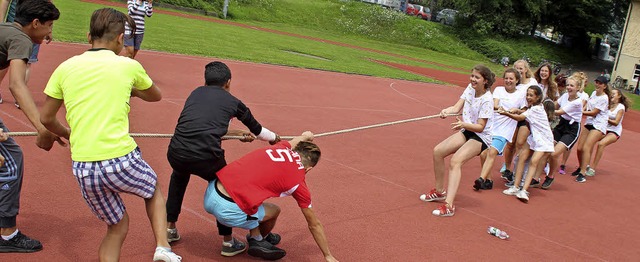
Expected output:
(228, 212)
(101, 183)
(135, 41)
(499, 143)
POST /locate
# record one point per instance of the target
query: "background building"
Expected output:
(627, 63)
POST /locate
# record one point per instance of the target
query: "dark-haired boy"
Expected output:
(33, 23)
(237, 198)
(195, 147)
(96, 88)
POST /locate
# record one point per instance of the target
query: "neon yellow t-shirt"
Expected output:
(96, 89)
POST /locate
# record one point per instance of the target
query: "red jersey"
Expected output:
(274, 171)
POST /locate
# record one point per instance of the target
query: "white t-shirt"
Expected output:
(478, 107)
(572, 109)
(532, 82)
(544, 91)
(612, 115)
(601, 102)
(584, 96)
(505, 126)
(541, 137)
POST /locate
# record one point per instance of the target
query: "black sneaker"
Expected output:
(507, 175)
(547, 182)
(534, 183)
(488, 184)
(575, 173)
(581, 178)
(509, 184)
(477, 185)
(265, 250)
(273, 238)
(20, 244)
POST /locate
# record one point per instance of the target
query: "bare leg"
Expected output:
(560, 149)
(129, 52)
(488, 163)
(135, 52)
(583, 138)
(112, 242)
(592, 138)
(538, 161)
(607, 140)
(271, 213)
(522, 159)
(157, 214)
(468, 150)
(442, 150)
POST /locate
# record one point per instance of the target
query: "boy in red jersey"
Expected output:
(237, 197)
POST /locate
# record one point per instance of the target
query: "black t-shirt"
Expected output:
(14, 44)
(204, 120)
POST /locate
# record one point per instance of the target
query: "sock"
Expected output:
(258, 237)
(9, 237)
(168, 249)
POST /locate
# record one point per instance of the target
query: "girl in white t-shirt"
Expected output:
(540, 142)
(476, 104)
(522, 131)
(584, 97)
(504, 98)
(544, 76)
(618, 105)
(566, 133)
(597, 113)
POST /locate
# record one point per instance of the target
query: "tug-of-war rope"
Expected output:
(15, 134)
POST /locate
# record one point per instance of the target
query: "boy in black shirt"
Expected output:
(195, 147)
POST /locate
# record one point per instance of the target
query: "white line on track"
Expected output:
(410, 97)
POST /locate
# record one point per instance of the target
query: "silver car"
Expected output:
(447, 16)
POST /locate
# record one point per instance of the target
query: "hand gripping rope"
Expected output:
(16, 134)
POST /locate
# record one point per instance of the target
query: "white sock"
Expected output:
(165, 248)
(258, 237)
(9, 237)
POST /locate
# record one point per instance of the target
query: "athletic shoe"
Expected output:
(265, 250)
(233, 248)
(535, 183)
(561, 170)
(163, 254)
(512, 191)
(547, 182)
(20, 243)
(509, 184)
(444, 211)
(477, 185)
(488, 184)
(433, 195)
(1, 99)
(172, 235)
(523, 196)
(581, 178)
(507, 175)
(590, 171)
(503, 168)
(575, 173)
(17, 105)
(273, 238)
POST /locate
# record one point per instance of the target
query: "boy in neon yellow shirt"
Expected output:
(95, 88)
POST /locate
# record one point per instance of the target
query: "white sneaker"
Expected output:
(512, 191)
(162, 254)
(590, 171)
(523, 196)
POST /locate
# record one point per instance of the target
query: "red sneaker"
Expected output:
(444, 211)
(433, 195)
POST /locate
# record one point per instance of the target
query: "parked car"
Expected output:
(419, 11)
(447, 16)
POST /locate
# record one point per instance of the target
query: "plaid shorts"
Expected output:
(101, 182)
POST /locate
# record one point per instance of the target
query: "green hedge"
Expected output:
(206, 5)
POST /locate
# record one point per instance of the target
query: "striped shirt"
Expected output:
(137, 10)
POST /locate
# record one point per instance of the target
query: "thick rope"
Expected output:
(16, 134)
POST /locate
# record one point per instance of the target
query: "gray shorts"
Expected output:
(10, 181)
(135, 41)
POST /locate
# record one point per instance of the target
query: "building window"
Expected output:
(636, 73)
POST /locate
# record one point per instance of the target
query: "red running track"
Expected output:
(365, 188)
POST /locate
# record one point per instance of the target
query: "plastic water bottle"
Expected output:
(497, 232)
